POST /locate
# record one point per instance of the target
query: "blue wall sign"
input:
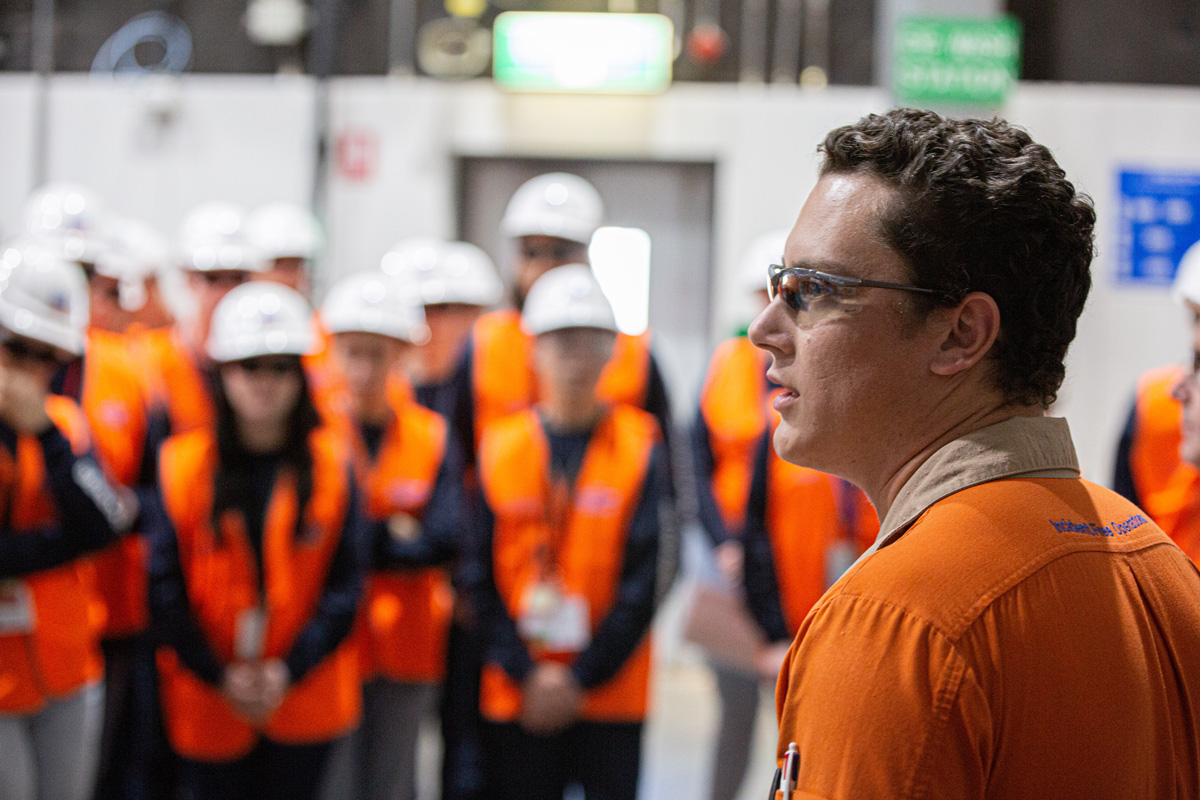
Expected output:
(1160, 220)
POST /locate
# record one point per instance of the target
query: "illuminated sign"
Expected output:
(590, 53)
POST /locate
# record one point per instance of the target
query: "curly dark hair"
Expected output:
(982, 207)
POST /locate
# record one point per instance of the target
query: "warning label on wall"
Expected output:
(1160, 220)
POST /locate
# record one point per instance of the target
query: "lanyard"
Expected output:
(558, 498)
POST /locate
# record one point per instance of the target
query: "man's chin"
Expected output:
(791, 446)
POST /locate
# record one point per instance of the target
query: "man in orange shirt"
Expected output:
(1015, 631)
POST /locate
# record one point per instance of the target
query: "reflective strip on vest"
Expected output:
(221, 580)
(514, 462)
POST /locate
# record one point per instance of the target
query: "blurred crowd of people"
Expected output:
(251, 547)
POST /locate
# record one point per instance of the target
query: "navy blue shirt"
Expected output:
(92, 511)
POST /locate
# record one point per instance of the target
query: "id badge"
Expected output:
(569, 629)
(250, 634)
(538, 607)
(16, 608)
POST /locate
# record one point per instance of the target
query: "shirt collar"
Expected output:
(1034, 447)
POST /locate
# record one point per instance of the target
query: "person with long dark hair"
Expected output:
(257, 566)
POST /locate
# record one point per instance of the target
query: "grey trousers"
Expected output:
(378, 761)
(735, 737)
(52, 755)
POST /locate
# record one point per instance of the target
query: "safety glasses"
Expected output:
(28, 351)
(802, 288)
(223, 278)
(274, 366)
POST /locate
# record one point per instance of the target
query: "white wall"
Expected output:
(156, 148)
(251, 139)
(18, 101)
(1095, 131)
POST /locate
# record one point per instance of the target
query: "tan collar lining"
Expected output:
(1034, 447)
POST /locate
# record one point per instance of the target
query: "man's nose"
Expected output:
(766, 331)
(1182, 390)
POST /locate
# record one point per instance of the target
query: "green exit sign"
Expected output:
(576, 52)
(956, 61)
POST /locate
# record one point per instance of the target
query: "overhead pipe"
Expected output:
(789, 23)
(816, 44)
(42, 56)
(402, 37)
(752, 51)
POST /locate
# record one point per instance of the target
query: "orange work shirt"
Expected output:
(1015, 632)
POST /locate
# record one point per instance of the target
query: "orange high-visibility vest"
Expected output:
(731, 403)
(808, 512)
(504, 381)
(1167, 487)
(326, 381)
(405, 616)
(115, 405)
(175, 381)
(514, 464)
(61, 653)
(222, 585)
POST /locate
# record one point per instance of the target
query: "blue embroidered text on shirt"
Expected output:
(1094, 529)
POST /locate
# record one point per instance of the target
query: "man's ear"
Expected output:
(970, 331)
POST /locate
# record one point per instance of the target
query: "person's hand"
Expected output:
(240, 687)
(273, 683)
(23, 400)
(256, 689)
(768, 661)
(551, 700)
(731, 561)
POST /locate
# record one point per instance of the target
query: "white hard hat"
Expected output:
(142, 242)
(213, 237)
(1187, 278)
(446, 272)
(136, 251)
(556, 204)
(261, 318)
(412, 256)
(567, 297)
(284, 230)
(43, 296)
(373, 302)
(68, 218)
(764, 251)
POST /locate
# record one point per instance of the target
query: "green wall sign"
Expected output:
(951, 61)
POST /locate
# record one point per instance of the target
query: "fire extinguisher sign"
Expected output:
(357, 155)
